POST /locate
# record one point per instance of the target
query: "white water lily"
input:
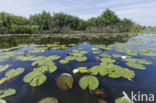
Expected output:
(75, 71)
(94, 48)
(123, 57)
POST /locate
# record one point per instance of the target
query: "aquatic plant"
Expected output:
(122, 100)
(65, 81)
(75, 55)
(4, 67)
(48, 100)
(35, 78)
(89, 81)
(82, 69)
(6, 93)
(14, 72)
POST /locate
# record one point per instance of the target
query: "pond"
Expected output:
(91, 68)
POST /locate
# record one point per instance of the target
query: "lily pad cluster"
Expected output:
(137, 63)
(57, 45)
(37, 76)
(75, 55)
(107, 67)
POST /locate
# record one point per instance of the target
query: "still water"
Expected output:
(144, 80)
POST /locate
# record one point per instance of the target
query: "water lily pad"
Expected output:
(148, 54)
(48, 100)
(108, 60)
(122, 100)
(136, 65)
(35, 78)
(14, 72)
(4, 67)
(65, 81)
(6, 93)
(83, 69)
(89, 81)
(116, 55)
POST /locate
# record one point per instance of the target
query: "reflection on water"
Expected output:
(144, 80)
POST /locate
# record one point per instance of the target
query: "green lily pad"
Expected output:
(4, 67)
(65, 81)
(136, 65)
(14, 72)
(83, 69)
(89, 81)
(6, 93)
(122, 100)
(35, 78)
(148, 54)
(116, 55)
(108, 60)
(48, 100)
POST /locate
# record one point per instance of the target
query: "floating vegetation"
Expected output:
(35, 78)
(65, 81)
(122, 100)
(57, 46)
(96, 52)
(148, 54)
(14, 72)
(48, 100)
(4, 67)
(6, 93)
(108, 60)
(36, 50)
(137, 63)
(11, 74)
(89, 81)
(75, 55)
(82, 69)
(116, 55)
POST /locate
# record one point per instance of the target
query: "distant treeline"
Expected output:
(63, 23)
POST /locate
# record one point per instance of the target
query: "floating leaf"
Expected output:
(14, 72)
(65, 81)
(4, 67)
(116, 55)
(136, 65)
(35, 78)
(122, 100)
(6, 93)
(108, 60)
(89, 81)
(148, 54)
(83, 69)
(48, 100)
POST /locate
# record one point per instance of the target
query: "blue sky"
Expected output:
(141, 11)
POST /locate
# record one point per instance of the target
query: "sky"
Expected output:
(142, 12)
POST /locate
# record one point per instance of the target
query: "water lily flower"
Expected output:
(123, 57)
(94, 49)
(75, 71)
